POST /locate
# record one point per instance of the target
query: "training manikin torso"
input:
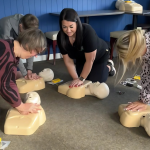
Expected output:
(135, 118)
(18, 124)
(99, 90)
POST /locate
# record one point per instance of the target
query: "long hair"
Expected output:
(70, 15)
(130, 47)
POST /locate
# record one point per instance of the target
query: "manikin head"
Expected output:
(145, 122)
(47, 74)
(100, 90)
(118, 2)
(33, 97)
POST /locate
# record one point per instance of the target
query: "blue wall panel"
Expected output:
(146, 6)
(20, 8)
(14, 8)
(2, 9)
(26, 7)
(7, 7)
(41, 8)
(32, 7)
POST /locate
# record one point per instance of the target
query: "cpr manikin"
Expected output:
(47, 74)
(100, 90)
(136, 118)
(25, 86)
(17, 124)
(128, 6)
(118, 2)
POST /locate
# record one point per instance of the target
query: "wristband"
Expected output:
(82, 79)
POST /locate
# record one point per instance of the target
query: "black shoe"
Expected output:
(112, 72)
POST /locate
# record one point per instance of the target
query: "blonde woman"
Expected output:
(132, 46)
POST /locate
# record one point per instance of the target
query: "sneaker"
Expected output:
(112, 72)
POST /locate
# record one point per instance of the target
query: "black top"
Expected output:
(90, 43)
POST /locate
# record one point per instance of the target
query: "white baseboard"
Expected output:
(44, 57)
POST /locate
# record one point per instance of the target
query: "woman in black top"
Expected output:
(79, 41)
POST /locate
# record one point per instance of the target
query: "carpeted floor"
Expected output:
(83, 124)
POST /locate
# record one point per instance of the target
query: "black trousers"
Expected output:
(99, 71)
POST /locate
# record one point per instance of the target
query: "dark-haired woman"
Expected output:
(79, 41)
(10, 53)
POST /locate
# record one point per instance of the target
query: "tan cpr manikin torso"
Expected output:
(136, 118)
(17, 124)
(99, 90)
(25, 86)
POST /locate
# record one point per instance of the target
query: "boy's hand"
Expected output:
(31, 76)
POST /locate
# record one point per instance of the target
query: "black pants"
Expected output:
(99, 71)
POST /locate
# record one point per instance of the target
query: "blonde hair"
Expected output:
(130, 47)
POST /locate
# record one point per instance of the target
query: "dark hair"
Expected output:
(32, 39)
(29, 21)
(70, 15)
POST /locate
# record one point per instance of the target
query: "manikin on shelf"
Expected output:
(128, 6)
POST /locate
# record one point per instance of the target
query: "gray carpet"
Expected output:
(83, 124)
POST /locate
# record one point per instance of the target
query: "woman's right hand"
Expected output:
(26, 108)
(76, 83)
(136, 106)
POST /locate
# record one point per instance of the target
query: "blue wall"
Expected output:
(146, 6)
(40, 8)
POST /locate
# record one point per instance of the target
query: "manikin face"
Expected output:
(69, 27)
(100, 90)
(33, 97)
(47, 74)
(146, 123)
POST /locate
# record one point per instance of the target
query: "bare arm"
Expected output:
(70, 66)
(90, 57)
